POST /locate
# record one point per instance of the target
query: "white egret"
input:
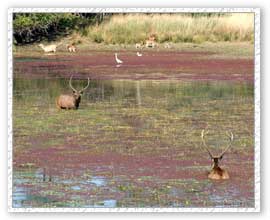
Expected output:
(139, 54)
(117, 60)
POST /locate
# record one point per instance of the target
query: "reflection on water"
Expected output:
(136, 92)
(130, 144)
(19, 196)
(97, 180)
(109, 203)
(75, 187)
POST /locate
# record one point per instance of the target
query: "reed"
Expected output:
(133, 28)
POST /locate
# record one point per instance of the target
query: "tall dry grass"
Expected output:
(132, 28)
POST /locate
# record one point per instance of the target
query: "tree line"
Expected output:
(34, 27)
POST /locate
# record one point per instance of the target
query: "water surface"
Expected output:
(132, 143)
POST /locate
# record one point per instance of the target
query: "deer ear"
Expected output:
(73, 91)
(81, 92)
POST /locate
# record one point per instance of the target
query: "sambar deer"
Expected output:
(71, 101)
(216, 172)
(139, 45)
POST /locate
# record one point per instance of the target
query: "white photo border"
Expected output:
(256, 12)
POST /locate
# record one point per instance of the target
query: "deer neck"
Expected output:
(215, 164)
(77, 101)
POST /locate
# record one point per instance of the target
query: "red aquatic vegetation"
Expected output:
(152, 65)
(71, 160)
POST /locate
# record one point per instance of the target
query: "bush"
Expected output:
(31, 27)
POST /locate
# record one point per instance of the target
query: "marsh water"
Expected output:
(131, 143)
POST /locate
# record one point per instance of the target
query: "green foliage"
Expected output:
(31, 27)
(135, 28)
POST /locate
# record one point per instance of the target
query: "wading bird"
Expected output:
(216, 172)
(139, 54)
(71, 101)
(139, 45)
(167, 45)
(117, 59)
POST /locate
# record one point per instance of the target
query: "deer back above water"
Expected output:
(71, 101)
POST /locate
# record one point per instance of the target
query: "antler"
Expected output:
(71, 84)
(86, 86)
(204, 144)
(230, 136)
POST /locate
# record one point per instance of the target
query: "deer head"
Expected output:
(217, 158)
(77, 93)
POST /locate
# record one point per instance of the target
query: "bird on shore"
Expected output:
(167, 45)
(139, 54)
(117, 60)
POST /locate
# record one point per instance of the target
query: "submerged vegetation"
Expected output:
(131, 144)
(135, 140)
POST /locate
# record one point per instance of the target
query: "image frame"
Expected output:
(257, 108)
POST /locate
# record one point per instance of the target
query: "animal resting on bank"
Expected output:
(216, 172)
(71, 101)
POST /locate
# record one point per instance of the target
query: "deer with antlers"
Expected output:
(71, 101)
(216, 172)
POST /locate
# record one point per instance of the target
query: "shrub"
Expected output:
(31, 27)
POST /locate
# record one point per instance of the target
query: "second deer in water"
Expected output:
(216, 172)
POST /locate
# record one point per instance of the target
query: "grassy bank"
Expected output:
(132, 28)
(229, 50)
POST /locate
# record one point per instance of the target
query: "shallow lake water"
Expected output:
(131, 143)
